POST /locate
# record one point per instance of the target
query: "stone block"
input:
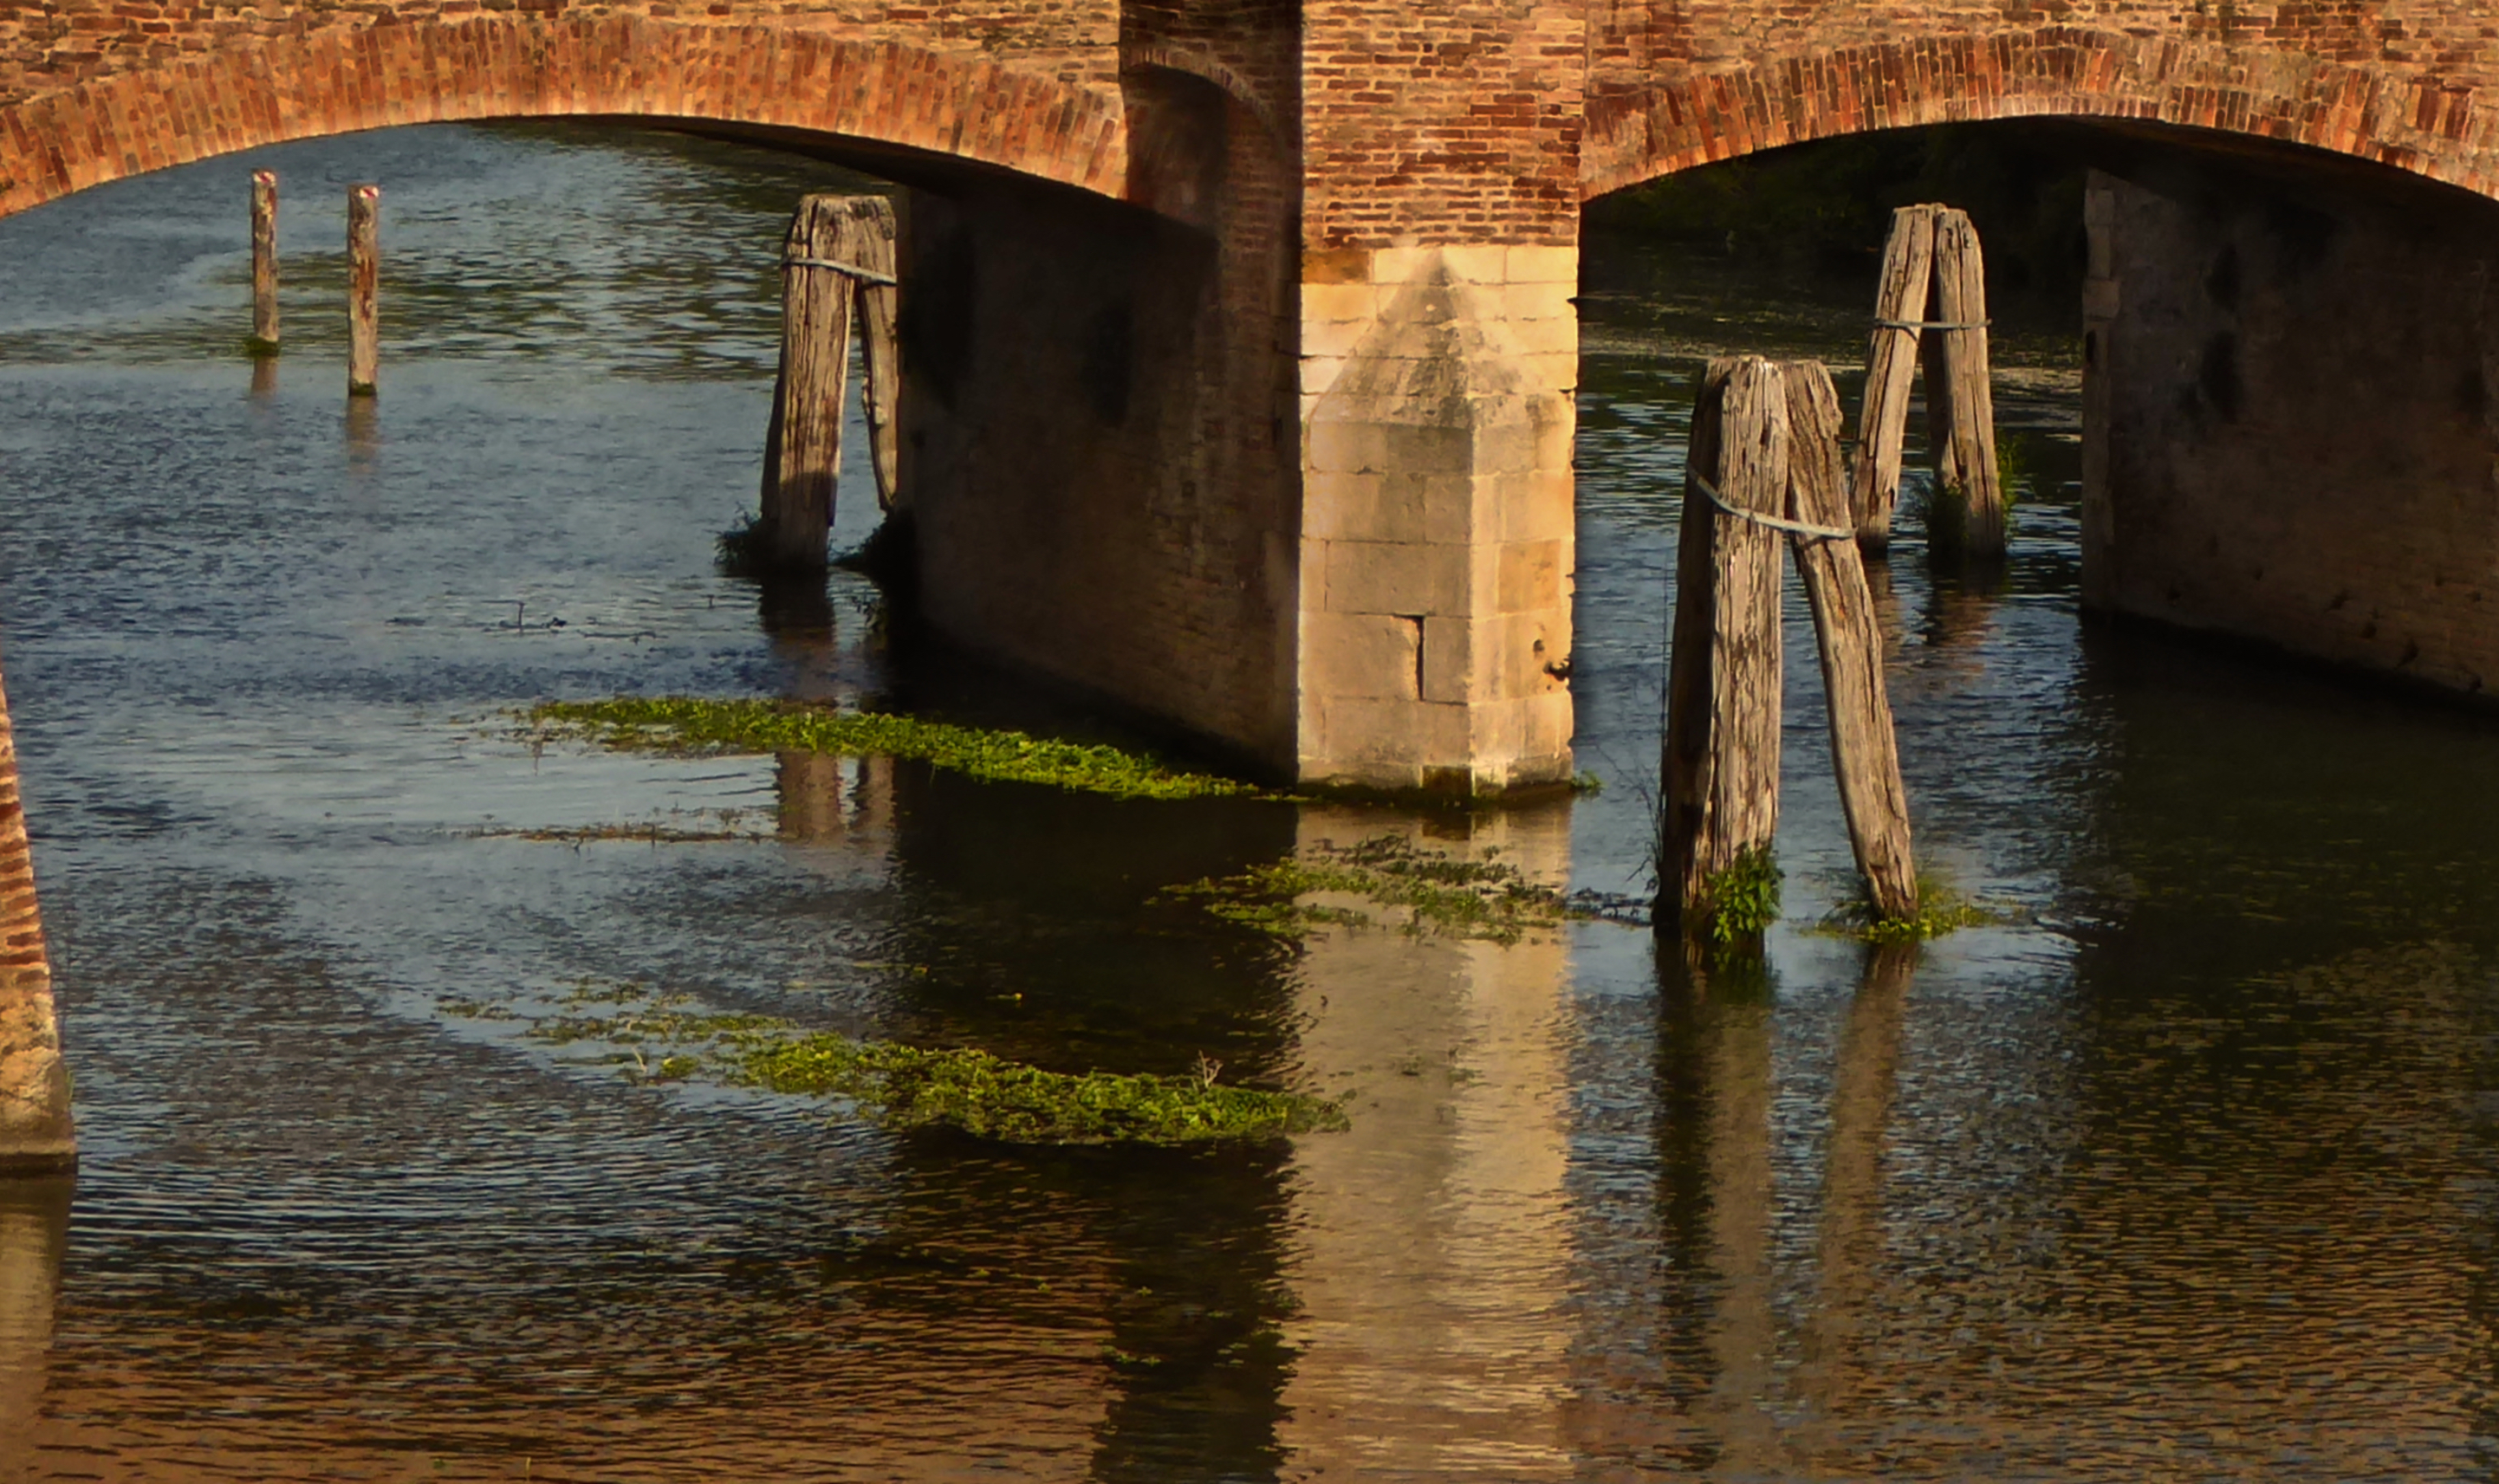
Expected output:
(1402, 265)
(1550, 372)
(1544, 265)
(1410, 577)
(1333, 339)
(1321, 302)
(1448, 661)
(1540, 505)
(1337, 265)
(1434, 449)
(1529, 575)
(1341, 506)
(1477, 264)
(1494, 659)
(1318, 376)
(1336, 447)
(1556, 420)
(1360, 655)
(1383, 744)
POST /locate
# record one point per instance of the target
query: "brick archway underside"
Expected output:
(266, 92)
(1640, 128)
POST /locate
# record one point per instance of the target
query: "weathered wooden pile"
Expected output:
(1764, 469)
(838, 265)
(364, 282)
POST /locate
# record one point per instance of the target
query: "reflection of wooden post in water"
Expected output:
(264, 376)
(1432, 1264)
(35, 1129)
(1717, 1331)
(836, 247)
(364, 286)
(825, 799)
(34, 1230)
(1722, 732)
(263, 262)
(1862, 1091)
(363, 436)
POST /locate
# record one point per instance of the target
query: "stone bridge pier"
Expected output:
(2292, 410)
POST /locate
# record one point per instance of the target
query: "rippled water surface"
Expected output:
(2184, 1170)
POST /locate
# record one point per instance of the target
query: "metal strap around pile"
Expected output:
(852, 270)
(1931, 324)
(1795, 528)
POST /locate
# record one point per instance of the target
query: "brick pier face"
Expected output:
(1252, 409)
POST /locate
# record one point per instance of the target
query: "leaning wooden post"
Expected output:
(834, 241)
(36, 1134)
(1967, 513)
(1863, 748)
(364, 282)
(1722, 733)
(1891, 370)
(879, 292)
(263, 262)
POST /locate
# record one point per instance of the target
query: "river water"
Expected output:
(2184, 1169)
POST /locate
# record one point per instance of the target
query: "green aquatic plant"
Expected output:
(656, 1037)
(910, 1086)
(2012, 470)
(1428, 891)
(1741, 901)
(688, 725)
(1940, 910)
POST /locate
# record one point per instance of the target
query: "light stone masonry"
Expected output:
(1437, 531)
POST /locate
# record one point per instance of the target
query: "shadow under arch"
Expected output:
(884, 93)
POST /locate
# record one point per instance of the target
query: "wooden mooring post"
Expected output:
(1864, 751)
(1721, 798)
(364, 284)
(263, 262)
(1930, 309)
(1765, 460)
(839, 256)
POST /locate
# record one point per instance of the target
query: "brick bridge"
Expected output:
(1241, 346)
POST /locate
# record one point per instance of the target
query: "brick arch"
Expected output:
(340, 80)
(1639, 129)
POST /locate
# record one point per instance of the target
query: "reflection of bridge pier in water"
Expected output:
(1432, 1250)
(34, 1229)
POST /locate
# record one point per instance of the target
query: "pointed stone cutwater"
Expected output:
(1436, 540)
(36, 1136)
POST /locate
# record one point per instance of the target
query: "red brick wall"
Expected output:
(1441, 121)
(1675, 84)
(210, 90)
